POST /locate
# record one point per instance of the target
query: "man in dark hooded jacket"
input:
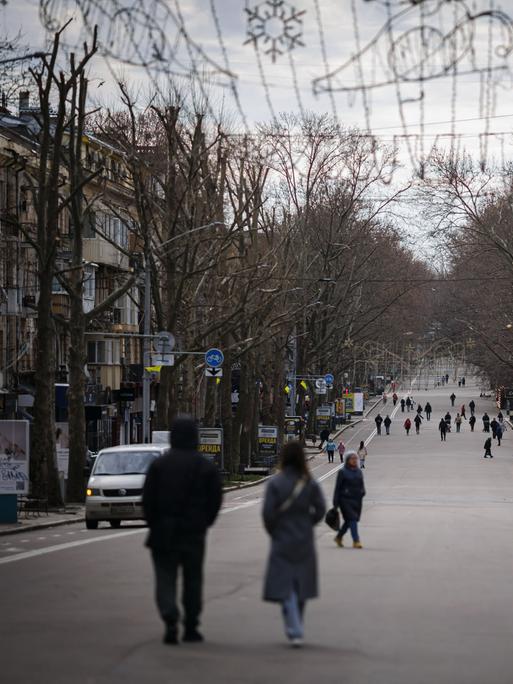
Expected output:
(181, 498)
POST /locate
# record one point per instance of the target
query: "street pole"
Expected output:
(293, 375)
(146, 350)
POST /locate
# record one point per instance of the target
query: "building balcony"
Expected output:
(100, 251)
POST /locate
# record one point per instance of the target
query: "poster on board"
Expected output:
(14, 457)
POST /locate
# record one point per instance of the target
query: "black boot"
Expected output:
(193, 636)
(171, 635)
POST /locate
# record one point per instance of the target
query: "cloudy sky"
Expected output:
(321, 72)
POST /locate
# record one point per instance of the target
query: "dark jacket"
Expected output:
(292, 562)
(387, 422)
(181, 498)
(428, 408)
(418, 419)
(488, 444)
(378, 420)
(349, 493)
(442, 426)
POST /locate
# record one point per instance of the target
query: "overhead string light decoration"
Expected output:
(422, 42)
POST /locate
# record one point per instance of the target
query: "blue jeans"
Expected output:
(292, 609)
(351, 525)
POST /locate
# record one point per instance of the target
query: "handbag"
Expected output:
(332, 519)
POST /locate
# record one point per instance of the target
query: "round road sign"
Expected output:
(330, 378)
(214, 358)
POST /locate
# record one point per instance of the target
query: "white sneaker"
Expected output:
(297, 642)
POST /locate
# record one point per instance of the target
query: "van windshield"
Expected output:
(124, 462)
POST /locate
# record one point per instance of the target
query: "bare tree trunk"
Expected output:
(44, 475)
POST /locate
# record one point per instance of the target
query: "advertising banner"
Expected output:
(14, 457)
(292, 428)
(323, 418)
(340, 408)
(211, 444)
(358, 403)
(267, 440)
(349, 399)
(62, 445)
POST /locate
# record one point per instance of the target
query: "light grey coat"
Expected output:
(292, 561)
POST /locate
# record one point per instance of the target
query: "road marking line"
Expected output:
(67, 545)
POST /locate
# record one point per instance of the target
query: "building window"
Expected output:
(105, 352)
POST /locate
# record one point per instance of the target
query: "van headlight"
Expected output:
(92, 492)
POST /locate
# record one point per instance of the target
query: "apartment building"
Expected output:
(110, 258)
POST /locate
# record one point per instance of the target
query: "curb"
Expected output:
(42, 526)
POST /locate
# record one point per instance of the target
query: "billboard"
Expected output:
(358, 402)
(211, 444)
(268, 440)
(293, 428)
(14, 457)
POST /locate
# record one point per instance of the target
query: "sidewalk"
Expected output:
(73, 514)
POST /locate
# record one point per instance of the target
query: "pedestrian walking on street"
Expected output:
(408, 404)
(493, 425)
(457, 422)
(463, 382)
(486, 422)
(462, 412)
(293, 505)
(417, 421)
(452, 398)
(488, 448)
(448, 420)
(403, 404)
(459, 383)
(181, 499)
(407, 426)
(498, 433)
(447, 378)
(500, 417)
(378, 420)
(472, 407)
(330, 450)
(419, 409)
(472, 422)
(394, 398)
(387, 422)
(348, 497)
(428, 410)
(324, 436)
(442, 426)
(362, 454)
(341, 450)
(385, 398)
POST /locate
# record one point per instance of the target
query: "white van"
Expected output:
(114, 490)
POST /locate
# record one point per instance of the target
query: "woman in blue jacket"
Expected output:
(348, 496)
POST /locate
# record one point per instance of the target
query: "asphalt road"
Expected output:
(428, 599)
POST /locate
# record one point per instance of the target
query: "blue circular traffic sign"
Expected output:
(329, 378)
(214, 358)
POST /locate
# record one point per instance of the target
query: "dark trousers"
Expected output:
(443, 436)
(331, 456)
(350, 525)
(189, 558)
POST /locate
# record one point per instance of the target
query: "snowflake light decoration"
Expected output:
(276, 25)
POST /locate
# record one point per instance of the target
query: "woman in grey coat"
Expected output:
(293, 505)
